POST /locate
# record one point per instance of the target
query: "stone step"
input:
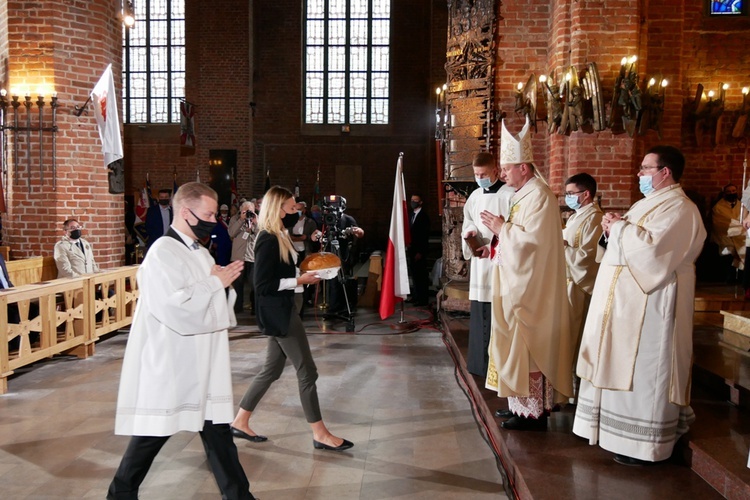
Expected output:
(706, 302)
(737, 329)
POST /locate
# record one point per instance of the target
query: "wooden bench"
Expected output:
(67, 322)
(32, 270)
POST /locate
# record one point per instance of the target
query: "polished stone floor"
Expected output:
(394, 392)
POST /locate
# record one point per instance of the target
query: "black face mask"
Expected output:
(415, 205)
(202, 229)
(75, 234)
(164, 203)
(290, 220)
(730, 197)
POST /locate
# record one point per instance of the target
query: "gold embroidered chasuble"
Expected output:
(581, 235)
(530, 329)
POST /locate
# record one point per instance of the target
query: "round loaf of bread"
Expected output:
(320, 260)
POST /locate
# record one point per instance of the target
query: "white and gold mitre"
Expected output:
(516, 149)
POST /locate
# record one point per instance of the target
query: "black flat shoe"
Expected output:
(517, 423)
(244, 435)
(343, 446)
(633, 462)
(503, 413)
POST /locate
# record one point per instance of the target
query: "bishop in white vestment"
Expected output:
(531, 348)
(636, 351)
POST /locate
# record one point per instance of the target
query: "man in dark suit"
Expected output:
(159, 217)
(419, 228)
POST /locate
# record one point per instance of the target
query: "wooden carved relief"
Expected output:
(469, 102)
(467, 115)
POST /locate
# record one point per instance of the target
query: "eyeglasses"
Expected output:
(569, 193)
(71, 228)
(647, 167)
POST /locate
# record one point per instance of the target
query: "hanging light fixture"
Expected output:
(128, 14)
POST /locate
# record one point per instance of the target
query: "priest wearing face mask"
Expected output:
(636, 352)
(581, 241)
(74, 256)
(493, 196)
(176, 373)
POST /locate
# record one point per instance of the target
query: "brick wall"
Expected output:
(224, 75)
(53, 50)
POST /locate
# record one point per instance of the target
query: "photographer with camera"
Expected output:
(243, 228)
(339, 235)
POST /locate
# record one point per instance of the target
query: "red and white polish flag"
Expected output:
(395, 287)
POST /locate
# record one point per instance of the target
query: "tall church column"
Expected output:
(60, 48)
(604, 33)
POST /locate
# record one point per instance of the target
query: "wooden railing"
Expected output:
(73, 314)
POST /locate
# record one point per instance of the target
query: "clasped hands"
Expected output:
(607, 220)
(492, 221)
(227, 274)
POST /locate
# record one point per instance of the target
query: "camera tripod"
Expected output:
(348, 315)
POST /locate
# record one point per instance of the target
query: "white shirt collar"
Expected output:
(185, 238)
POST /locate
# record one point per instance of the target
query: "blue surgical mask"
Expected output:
(484, 182)
(299, 212)
(572, 201)
(645, 184)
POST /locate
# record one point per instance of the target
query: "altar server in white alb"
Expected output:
(581, 240)
(493, 196)
(176, 374)
(531, 349)
(637, 345)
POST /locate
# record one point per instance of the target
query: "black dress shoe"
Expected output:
(244, 435)
(503, 413)
(518, 423)
(343, 446)
(625, 460)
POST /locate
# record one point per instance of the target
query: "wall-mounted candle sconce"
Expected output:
(553, 101)
(18, 130)
(626, 99)
(526, 100)
(741, 124)
(707, 109)
(653, 105)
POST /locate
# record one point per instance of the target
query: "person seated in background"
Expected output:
(728, 235)
(74, 256)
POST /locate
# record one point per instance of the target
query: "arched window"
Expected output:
(154, 62)
(346, 64)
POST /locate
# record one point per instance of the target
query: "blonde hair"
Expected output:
(189, 195)
(270, 221)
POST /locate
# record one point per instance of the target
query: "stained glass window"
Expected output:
(347, 56)
(154, 62)
(726, 7)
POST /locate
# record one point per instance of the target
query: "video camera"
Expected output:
(333, 208)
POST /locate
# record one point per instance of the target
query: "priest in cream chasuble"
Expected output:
(636, 351)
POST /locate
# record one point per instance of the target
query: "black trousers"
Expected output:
(220, 451)
(245, 278)
(421, 278)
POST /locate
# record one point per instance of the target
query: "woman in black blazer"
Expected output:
(275, 277)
